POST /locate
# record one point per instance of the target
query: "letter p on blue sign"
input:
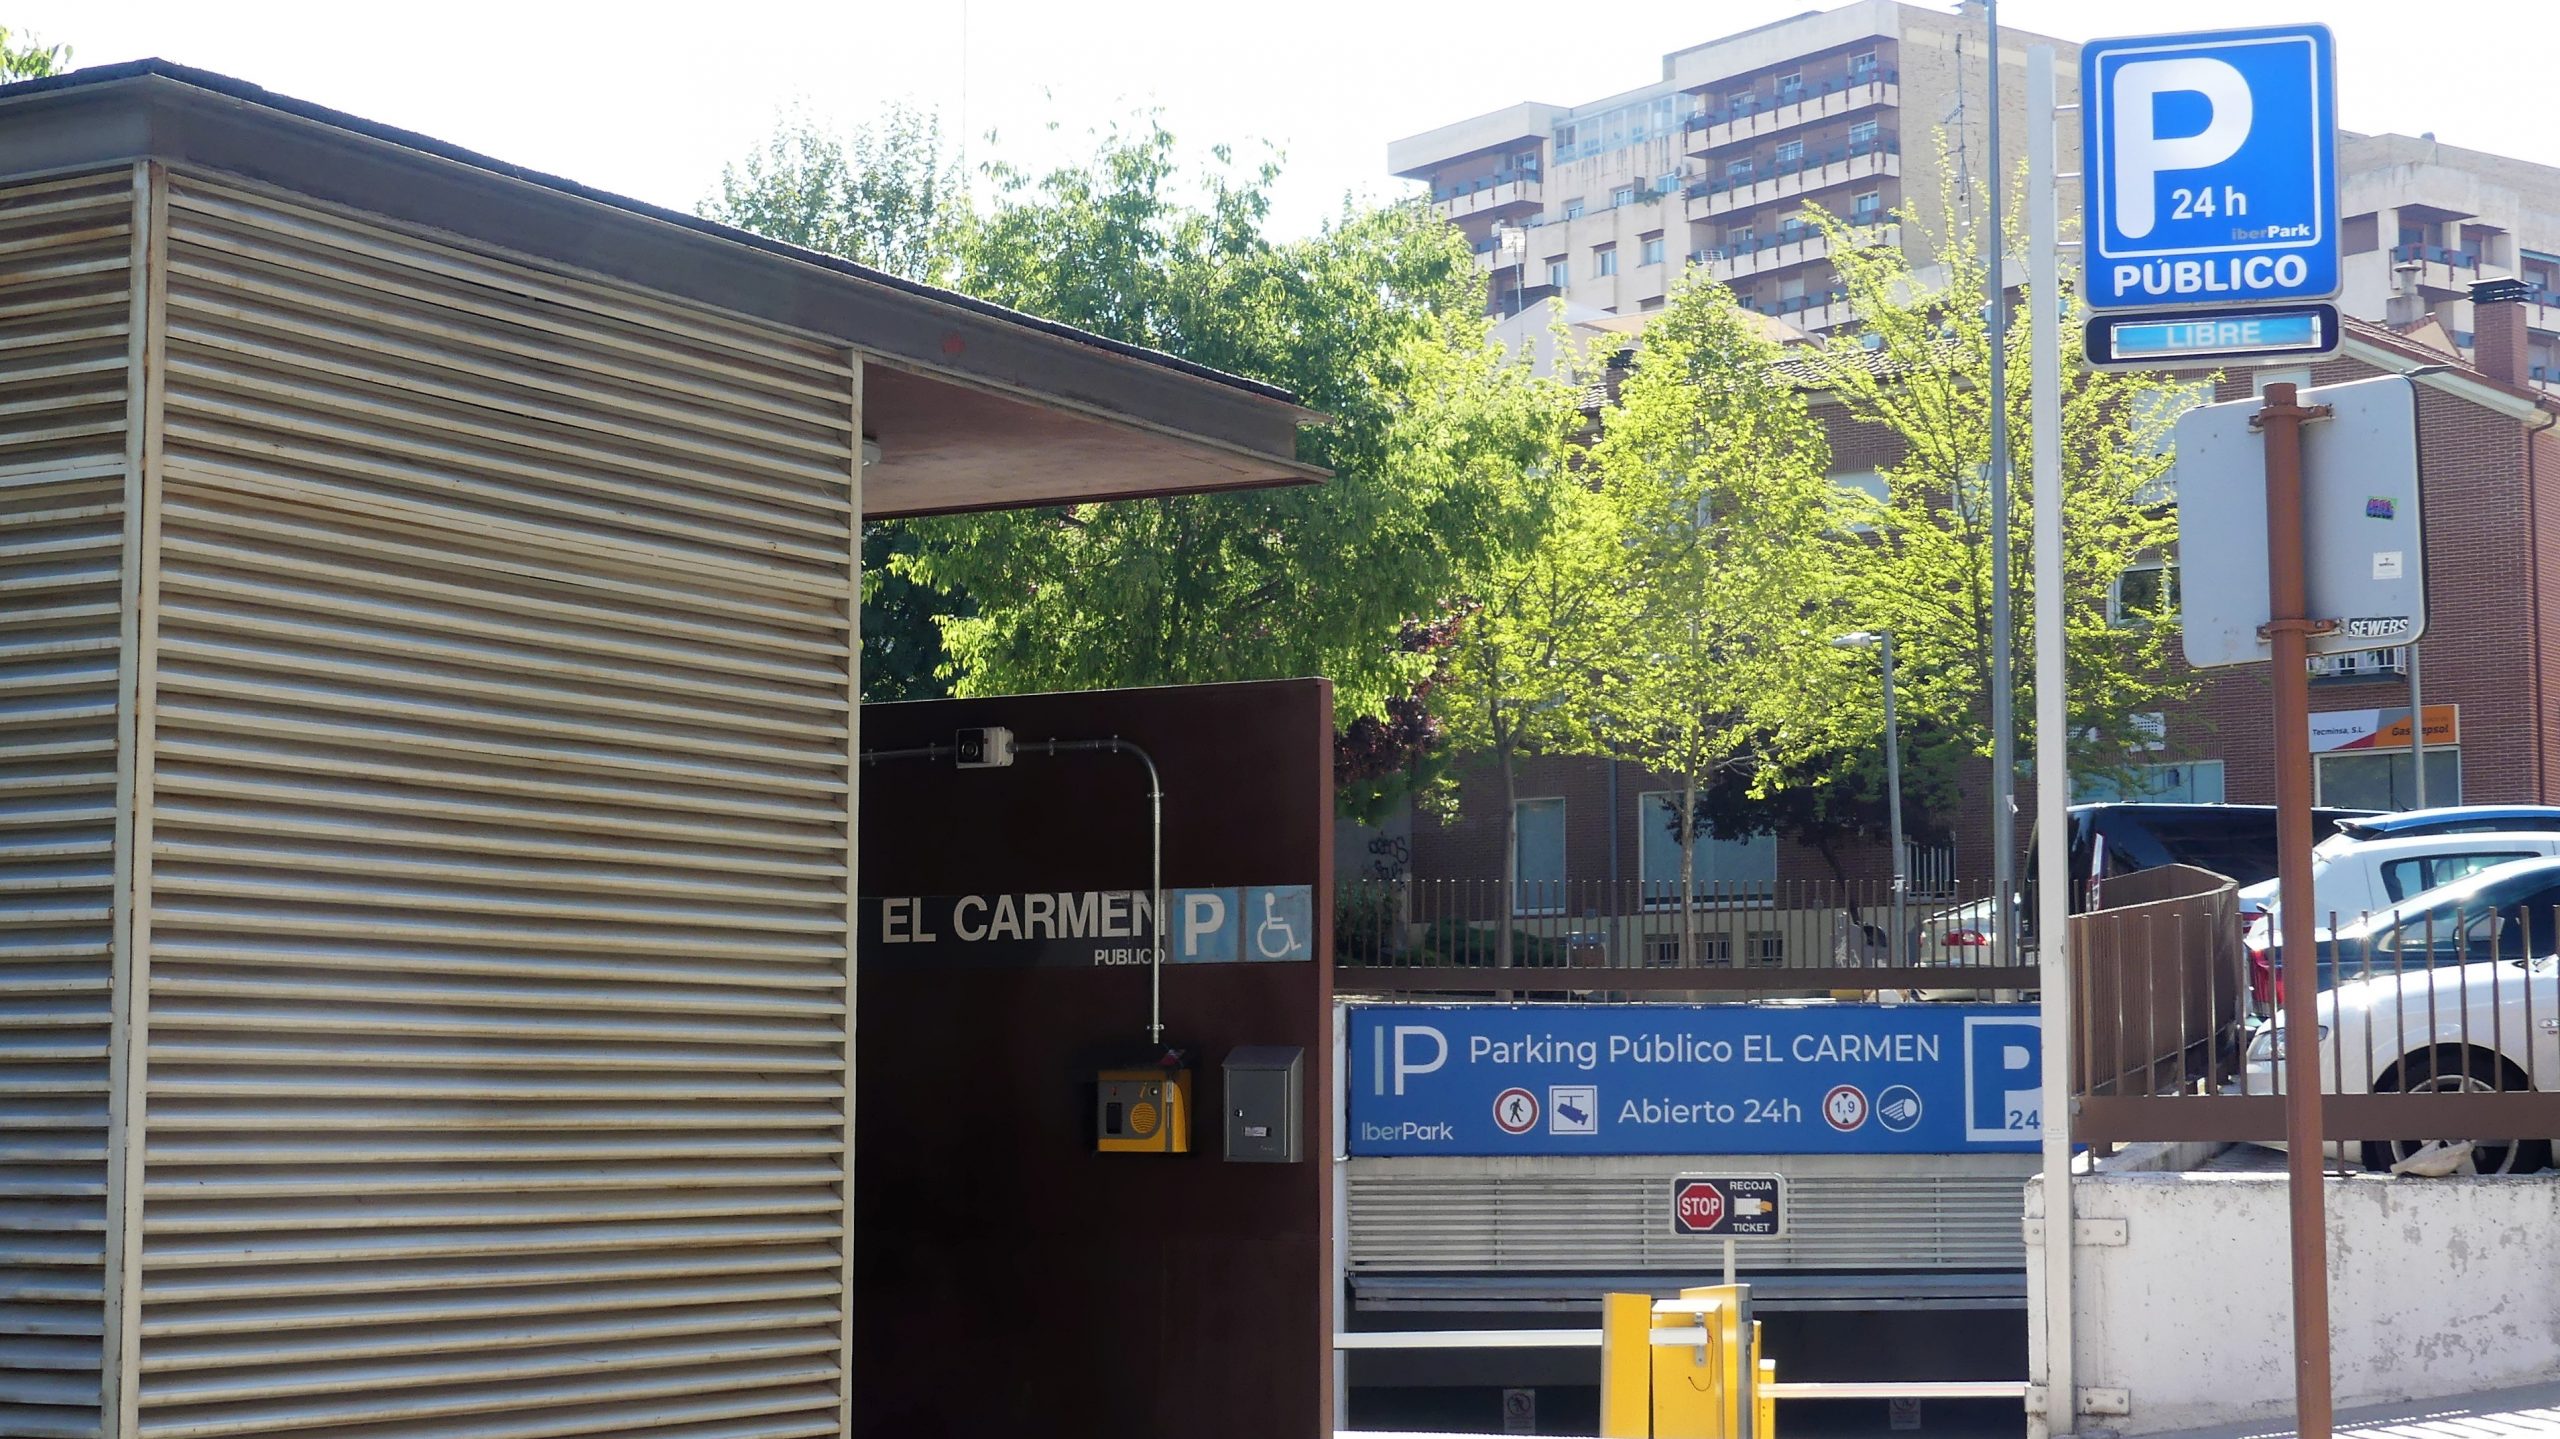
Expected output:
(2003, 1079)
(2210, 172)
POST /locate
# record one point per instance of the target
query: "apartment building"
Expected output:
(2423, 222)
(1719, 163)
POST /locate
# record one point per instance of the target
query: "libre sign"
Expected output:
(2211, 174)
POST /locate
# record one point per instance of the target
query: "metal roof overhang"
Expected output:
(973, 406)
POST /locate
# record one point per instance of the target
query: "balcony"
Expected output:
(1503, 196)
(1749, 117)
(1733, 262)
(2542, 312)
(2433, 267)
(1816, 311)
(1859, 160)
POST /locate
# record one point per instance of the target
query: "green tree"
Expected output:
(1375, 321)
(28, 60)
(1730, 535)
(1920, 366)
(891, 197)
(1525, 672)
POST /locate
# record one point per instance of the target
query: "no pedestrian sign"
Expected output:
(1731, 1206)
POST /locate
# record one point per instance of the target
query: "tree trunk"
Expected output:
(1510, 855)
(1689, 871)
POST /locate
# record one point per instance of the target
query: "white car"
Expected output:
(2476, 1028)
(2351, 878)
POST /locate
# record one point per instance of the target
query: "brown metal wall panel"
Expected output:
(497, 849)
(66, 301)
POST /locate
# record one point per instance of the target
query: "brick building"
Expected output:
(2489, 459)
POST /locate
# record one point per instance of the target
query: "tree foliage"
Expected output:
(26, 59)
(1920, 366)
(1731, 546)
(1373, 321)
(891, 197)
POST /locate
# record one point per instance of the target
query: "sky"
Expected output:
(650, 100)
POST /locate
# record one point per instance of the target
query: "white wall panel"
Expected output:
(66, 306)
(497, 850)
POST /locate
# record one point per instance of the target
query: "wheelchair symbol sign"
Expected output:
(1262, 922)
(1279, 922)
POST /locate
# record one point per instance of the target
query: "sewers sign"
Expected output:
(1087, 929)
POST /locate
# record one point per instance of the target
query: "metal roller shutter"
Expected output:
(497, 849)
(1613, 1215)
(66, 306)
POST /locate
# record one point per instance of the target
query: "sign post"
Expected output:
(2211, 186)
(2288, 631)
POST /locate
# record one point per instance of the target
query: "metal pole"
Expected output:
(2004, 724)
(2053, 782)
(1893, 812)
(1728, 1261)
(2288, 630)
(2417, 733)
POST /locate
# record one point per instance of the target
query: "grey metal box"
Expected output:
(1262, 1104)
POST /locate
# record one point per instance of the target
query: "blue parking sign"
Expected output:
(2210, 172)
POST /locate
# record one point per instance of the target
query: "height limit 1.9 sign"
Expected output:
(1729, 1206)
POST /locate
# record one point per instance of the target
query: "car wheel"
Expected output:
(2452, 1071)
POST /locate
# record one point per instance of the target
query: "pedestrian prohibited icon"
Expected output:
(1516, 1111)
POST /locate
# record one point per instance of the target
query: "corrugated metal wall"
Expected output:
(66, 304)
(495, 850)
(1423, 1216)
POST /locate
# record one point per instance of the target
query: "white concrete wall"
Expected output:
(2436, 1287)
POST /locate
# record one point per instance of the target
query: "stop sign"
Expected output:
(1698, 1207)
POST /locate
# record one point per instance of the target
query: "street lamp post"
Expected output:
(1882, 642)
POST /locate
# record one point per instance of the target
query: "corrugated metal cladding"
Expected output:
(497, 850)
(65, 322)
(1583, 1215)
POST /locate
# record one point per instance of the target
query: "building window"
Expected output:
(1649, 304)
(1862, 65)
(1573, 209)
(1666, 182)
(1863, 133)
(1739, 237)
(1604, 260)
(1868, 207)
(2142, 594)
(1623, 195)
(1790, 153)
(1537, 856)
(1790, 84)
(2185, 782)
(1738, 169)
(2386, 779)
(1559, 272)
(2360, 664)
(1652, 250)
(1722, 868)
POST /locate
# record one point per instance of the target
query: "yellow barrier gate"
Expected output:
(1685, 1368)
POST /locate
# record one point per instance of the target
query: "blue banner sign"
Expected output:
(1694, 1079)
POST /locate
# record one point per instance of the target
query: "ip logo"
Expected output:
(2003, 1079)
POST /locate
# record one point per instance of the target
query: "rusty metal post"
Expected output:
(2288, 632)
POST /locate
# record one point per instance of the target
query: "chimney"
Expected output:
(2497, 329)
